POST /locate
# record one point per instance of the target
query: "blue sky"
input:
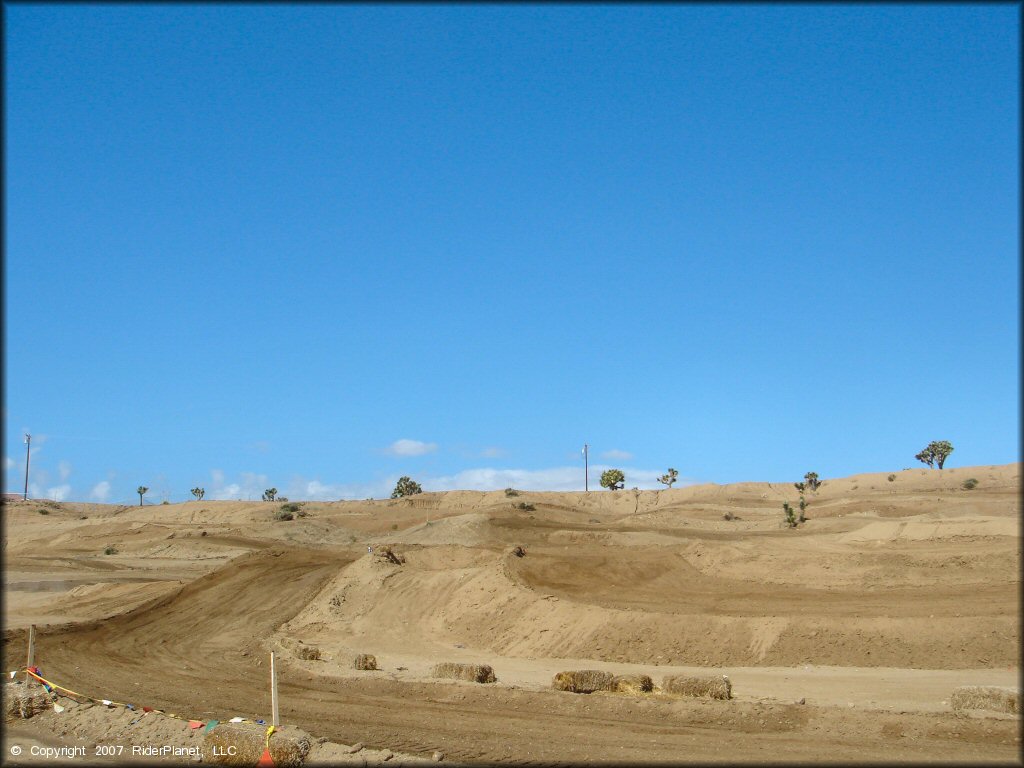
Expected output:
(319, 247)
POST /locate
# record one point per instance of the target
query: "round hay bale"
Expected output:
(366, 661)
(583, 681)
(702, 687)
(987, 697)
(632, 684)
(288, 745)
(474, 673)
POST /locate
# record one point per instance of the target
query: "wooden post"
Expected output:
(31, 650)
(276, 717)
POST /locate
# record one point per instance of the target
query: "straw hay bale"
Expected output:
(474, 673)
(24, 701)
(365, 661)
(632, 684)
(584, 681)
(990, 697)
(288, 745)
(705, 687)
(308, 653)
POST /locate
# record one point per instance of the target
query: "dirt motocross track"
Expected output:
(894, 593)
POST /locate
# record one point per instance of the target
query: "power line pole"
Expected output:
(28, 444)
(586, 468)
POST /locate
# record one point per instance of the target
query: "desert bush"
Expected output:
(110, 550)
(511, 492)
(42, 511)
(519, 552)
(165, 501)
(891, 478)
(704, 687)
(474, 673)
(290, 507)
(613, 479)
(308, 653)
(583, 681)
(969, 484)
(365, 661)
(525, 507)
(387, 553)
(283, 514)
(790, 514)
(406, 486)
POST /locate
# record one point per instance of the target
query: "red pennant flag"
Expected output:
(266, 761)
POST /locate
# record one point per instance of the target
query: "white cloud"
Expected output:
(616, 455)
(492, 453)
(554, 479)
(8, 462)
(58, 492)
(478, 479)
(249, 486)
(406, 447)
(100, 492)
(488, 479)
(64, 468)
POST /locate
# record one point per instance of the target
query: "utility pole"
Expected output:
(586, 469)
(28, 454)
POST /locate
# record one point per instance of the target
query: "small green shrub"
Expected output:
(43, 511)
(110, 551)
(290, 507)
(969, 484)
(282, 514)
(394, 526)
(165, 501)
(511, 492)
(891, 478)
(525, 507)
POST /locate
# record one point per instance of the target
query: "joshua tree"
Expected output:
(613, 479)
(405, 486)
(142, 491)
(936, 453)
(199, 493)
(670, 477)
(811, 483)
(270, 494)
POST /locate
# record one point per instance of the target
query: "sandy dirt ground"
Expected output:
(843, 639)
